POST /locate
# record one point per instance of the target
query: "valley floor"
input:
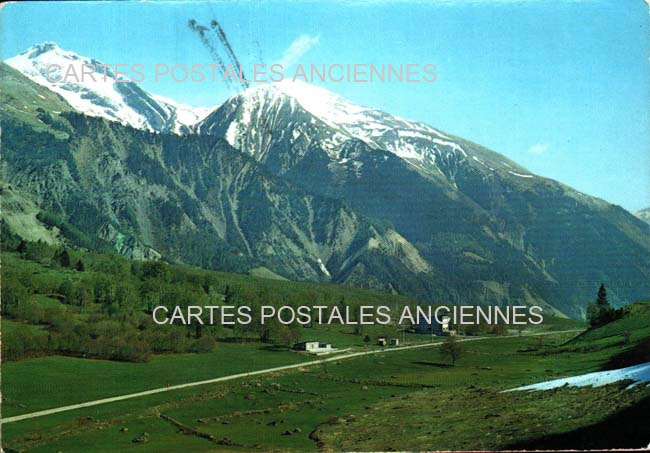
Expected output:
(412, 399)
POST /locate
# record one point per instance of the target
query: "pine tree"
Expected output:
(600, 312)
(64, 258)
(22, 247)
(358, 328)
(80, 266)
(602, 296)
(228, 296)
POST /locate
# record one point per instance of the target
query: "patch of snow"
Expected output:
(413, 134)
(186, 115)
(323, 268)
(638, 374)
(93, 95)
(232, 134)
(520, 174)
(376, 128)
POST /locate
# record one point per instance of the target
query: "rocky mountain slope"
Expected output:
(493, 230)
(191, 198)
(311, 186)
(20, 213)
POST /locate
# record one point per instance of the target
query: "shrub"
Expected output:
(203, 345)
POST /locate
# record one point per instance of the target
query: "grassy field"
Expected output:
(408, 400)
(24, 382)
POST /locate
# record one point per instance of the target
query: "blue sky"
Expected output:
(561, 87)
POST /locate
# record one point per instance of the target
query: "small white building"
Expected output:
(445, 324)
(394, 342)
(381, 341)
(313, 346)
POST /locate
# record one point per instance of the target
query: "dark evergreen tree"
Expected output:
(602, 296)
(600, 312)
(22, 247)
(228, 296)
(80, 266)
(64, 258)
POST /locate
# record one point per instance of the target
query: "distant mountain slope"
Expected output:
(644, 214)
(194, 199)
(97, 95)
(495, 231)
(344, 193)
(20, 217)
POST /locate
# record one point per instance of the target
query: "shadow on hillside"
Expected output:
(435, 364)
(274, 348)
(625, 429)
(635, 355)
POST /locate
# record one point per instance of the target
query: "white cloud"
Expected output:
(300, 46)
(539, 148)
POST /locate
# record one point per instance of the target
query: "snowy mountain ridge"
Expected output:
(105, 97)
(334, 121)
(295, 115)
(470, 224)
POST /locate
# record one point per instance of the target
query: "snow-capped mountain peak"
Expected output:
(287, 117)
(46, 47)
(358, 121)
(270, 117)
(98, 93)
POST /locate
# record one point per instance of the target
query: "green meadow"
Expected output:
(404, 399)
(63, 323)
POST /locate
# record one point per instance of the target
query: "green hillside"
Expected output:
(635, 322)
(30, 103)
(629, 337)
(89, 304)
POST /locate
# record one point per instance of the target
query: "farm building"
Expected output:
(434, 327)
(312, 346)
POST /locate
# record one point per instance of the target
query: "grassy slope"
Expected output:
(629, 336)
(35, 384)
(23, 380)
(636, 321)
(375, 402)
(408, 400)
(20, 100)
(563, 418)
